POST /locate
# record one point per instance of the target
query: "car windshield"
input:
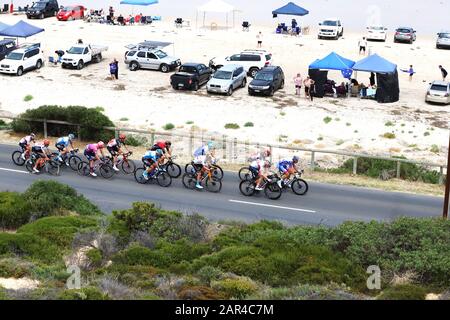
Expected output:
(438, 87)
(330, 23)
(160, 54)
(377, 28)
(264, 76)
(223, 75)
(404, 30)
(76, 50)
(38, 5)
(14, 56)
(444, 35)
(188, 69)
(66, 9)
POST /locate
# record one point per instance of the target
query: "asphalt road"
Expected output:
(324, 204)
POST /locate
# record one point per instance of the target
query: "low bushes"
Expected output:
(91, 119)
(403, 292)
(14, 211)
(29, 246)
(87, 293)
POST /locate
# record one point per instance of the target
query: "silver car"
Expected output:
(438, 92)
(154, 59)
(443, 40)
(227, 79)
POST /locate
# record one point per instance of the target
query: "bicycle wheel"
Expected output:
(213, 185)
(174, 170)
(299, 187)
(74, 161)
(17, 158)
(245, 174)
(106, 171)
(164, 179)
(29, 165)
(189, 181)
(247, 188)
(52, 167)
(189, 168)
(139, 176)
(128, 166)
(272, 191)
(217, 172)
(83, 168)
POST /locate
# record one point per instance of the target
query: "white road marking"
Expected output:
(272, 206)
(12, 170)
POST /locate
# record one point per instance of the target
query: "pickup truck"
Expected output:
(191, 76)
(79, 55)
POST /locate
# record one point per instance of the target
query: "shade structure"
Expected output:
(139, 2)
(333, 61)
(375, 63)
(21, 29)
(215, 6)
(3, 26)
(290, 9)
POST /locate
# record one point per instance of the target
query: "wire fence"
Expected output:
(230, 150)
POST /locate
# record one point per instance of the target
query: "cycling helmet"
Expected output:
(101, 144)
(122, 137)
(32, 135)
(210, 144)
(46, 142)
(71, 136)
(295, 159)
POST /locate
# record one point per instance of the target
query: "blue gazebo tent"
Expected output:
(21, 29)
(388, 89)
(139, 2)
(3, 26)
(290, 9)
(333, 61)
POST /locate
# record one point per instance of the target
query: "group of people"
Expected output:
(308, 84)
(111, 18)
(411, 72)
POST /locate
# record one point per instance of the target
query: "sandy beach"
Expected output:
(146, 100)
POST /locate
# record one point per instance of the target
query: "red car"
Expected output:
(71, 13)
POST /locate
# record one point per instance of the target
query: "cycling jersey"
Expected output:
(285, 165)
(202, 151)
(150, 155)
(114, 143)
(39, 148)
(63, 141)
(257, 156)
(26, 140)
(92, 148)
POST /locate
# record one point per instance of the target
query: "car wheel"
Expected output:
(134, 66)
(244, 83)
(272, 92)
(80, 65)
(20, 72)
(253, 72)
(195, 86)
(230, 91)
(38, 64)
(41, 16)
(164, 68)
(282, 84)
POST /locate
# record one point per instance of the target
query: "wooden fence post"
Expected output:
(45, 128)
(313, 160)
(398, 169)
(355, 165)
(79, 132)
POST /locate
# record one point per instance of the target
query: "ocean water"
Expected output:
(427, 17)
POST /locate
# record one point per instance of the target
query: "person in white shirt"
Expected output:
(259, 37)
(362, 45)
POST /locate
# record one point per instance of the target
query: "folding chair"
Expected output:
(178, 22)
(245, 26)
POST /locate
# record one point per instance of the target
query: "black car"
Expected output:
(267, 81)
(42, 9)
(6, 46)
(191, 76)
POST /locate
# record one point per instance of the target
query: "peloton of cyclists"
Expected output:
(62, 144)
(25, 145)
(203, 157)
(92, 154)
(42, 152)
(115, 149)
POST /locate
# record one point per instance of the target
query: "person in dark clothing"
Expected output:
(114, 69)
(444, 73)
(372, 79)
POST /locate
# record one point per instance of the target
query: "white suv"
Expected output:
(331, 28)
(26, 57)
(251, 60)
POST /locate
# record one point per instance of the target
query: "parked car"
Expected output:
(71, 13)
(376, 33)
(438, 92)
(190, 76)
(43, 9)
(405, 34)
(267, 81)
(153, 59)
(443, 40)
(24, 58)
(331, 28)
(227, 79)
(81, 54)
(251, 60)
(6, 46)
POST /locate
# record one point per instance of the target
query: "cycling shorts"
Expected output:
(60, 146)
(89, 155)
(23, 146)
(113, 150)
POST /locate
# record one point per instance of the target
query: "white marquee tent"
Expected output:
(215, 6)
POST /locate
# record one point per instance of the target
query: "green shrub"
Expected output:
(403, 292)
(14, 211)
(28, 97)
(327, 119)
(168, 126)
(389, 135)
(237, 288)
(208, 274)
(14, 268)
(232, 126)
(249, 124)
(28, 245)
(389, 124)
(434, 148)
(91, 119)
(95, 257)
(53, 198)
(87, 293)
(136, 141)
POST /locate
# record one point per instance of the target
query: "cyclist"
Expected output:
(287, 168)
(25, 144)
(91, 153)
(260, 155)
(42, 152)
(62, 144)
(261, 170)
(165, 146)
(202, 156)
(114, 148)
(151, 159)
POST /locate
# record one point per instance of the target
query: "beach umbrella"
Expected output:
(139, 2)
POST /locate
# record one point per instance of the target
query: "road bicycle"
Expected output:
(124, 163)
(216, 170)
(70, 158)
(208, 181)
(50, 165)
(295, 183)
(101, 166)
(16, 157)
(270, 186)
(173, 169)
(245, 173)
(159, 174)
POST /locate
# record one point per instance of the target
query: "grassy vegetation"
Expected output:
(389, 135)
(232, 126)
(136, 141)
(169, 126)
(148, 253)
(28, 97)
(249, 124)
(327, 119)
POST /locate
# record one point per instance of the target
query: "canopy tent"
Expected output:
(21, 29)
(215, 6)
(290, 9)
(139, 2)
(3, 26)
(388, 89)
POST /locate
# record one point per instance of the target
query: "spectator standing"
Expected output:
(114, 69)
(309, 87)
(259, 37)
(111, 12)
(362, 46)
(298, 82)
(372, 79)
(411, 72)
(444, 73)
